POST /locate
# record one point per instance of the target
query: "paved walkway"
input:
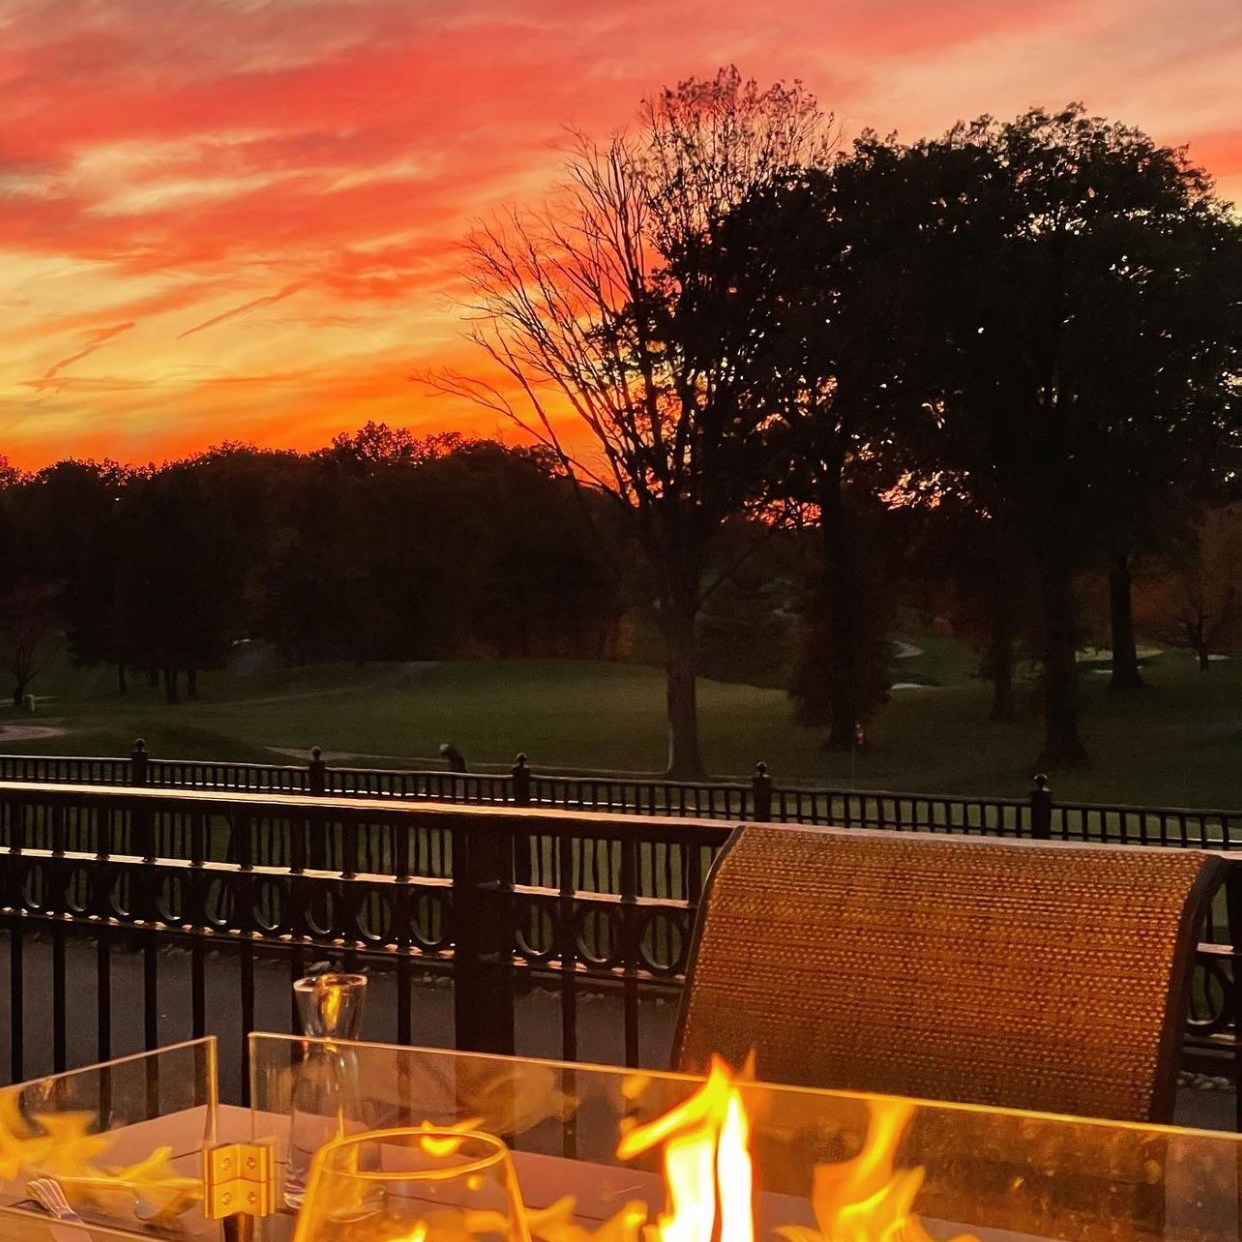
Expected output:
(29, 733)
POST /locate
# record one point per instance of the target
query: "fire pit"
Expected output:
(142, 1147)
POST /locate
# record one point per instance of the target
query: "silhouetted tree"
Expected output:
(181, 591)
(747, 629)
(29, 618)
(821, 261)
(475, 548)
(10, 475)
(983, 583)
(538, 572)
(824, 678)
(1057, 254)
(1169, 326)
(378, 444)
(597, 309)
(67, 512)
(1188, 594)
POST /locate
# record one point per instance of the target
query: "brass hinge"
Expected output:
(239, 1177)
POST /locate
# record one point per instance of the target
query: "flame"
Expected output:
(707, 1165)
(65, 1148)
(556, 1223)
(865, 1199)
(439, 1145)
(734, 1174)
(710, 1178)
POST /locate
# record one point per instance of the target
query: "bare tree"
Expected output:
(29, 617)
(607, 314)
(1188, 595)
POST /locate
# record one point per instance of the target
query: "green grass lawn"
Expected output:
(1178, 742)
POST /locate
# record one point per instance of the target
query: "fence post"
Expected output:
(1041, 809)
(315, 853)
(761, 789)
(521, 840)
(483, 935)
(138, 763)
(317, 773)
(521, 782)
(1233, 914)
(141, 826)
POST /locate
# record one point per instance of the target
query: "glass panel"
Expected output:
(992, 1174)
(122, 1140)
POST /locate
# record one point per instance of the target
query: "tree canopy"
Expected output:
(1037, 318)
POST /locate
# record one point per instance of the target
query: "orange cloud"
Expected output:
(165, 167)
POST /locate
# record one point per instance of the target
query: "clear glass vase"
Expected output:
(326, 1102)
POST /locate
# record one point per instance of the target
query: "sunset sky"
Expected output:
(239, 219)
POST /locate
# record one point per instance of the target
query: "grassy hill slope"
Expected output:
(1177, 742)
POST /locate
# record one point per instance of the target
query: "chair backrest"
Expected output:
(1010, 973)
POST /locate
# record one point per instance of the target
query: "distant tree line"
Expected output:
(383, 546)
(998, 361)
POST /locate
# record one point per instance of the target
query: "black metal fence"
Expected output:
(487, 898)
(1037, 814)
(94, 880)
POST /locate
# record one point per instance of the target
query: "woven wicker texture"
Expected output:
(1004, 973)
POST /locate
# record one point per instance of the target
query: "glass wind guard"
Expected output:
(123, 1140)
(827, 1166)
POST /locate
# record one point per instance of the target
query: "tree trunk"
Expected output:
(523, 626)
(684, 759)
(170, 686)
(153, 677)
(838, 648)
(19, 693)
(1196, 637)
(1063, 746)
(191, 683)
(1126, 675)
(121, 684)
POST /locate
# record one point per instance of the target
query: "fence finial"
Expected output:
(138, 763)
(761, 791)
(1041, 809)
(521, 781)
(317, 772)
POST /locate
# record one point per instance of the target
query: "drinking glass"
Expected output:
(413, 1185)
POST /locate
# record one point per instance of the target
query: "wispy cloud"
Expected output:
(95, 340)
(287, 291)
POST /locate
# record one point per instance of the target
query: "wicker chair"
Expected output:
(1009, 973)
